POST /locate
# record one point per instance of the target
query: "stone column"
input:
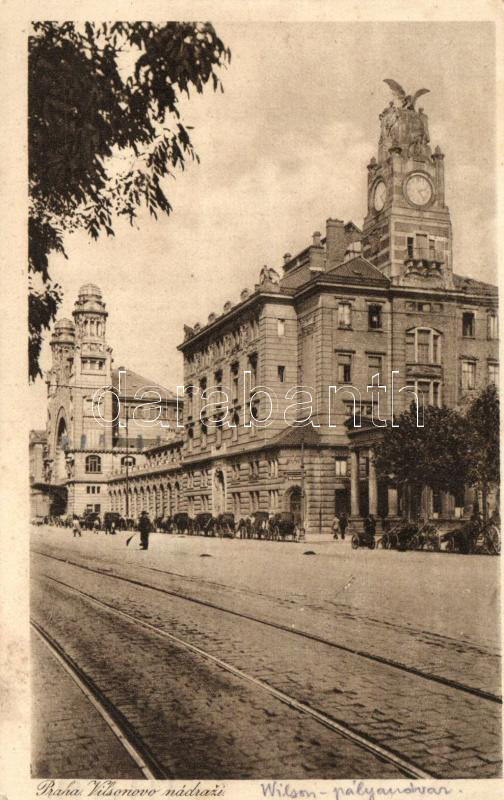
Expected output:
(392, 501)
(354, 483)
(372, 485)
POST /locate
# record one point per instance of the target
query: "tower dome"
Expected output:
(64, 324)
(90, 291)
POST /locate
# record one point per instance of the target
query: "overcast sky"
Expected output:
(285, 147)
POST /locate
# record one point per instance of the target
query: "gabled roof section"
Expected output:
(296, 436)
(358, 270)
(472, 286)
(134, 382)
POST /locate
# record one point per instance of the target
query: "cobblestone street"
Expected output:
(397, 653)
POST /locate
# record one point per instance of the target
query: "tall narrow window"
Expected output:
(468, 374)
(281, 374)
(423, 341)
(411, 245)
(375, 317)
(344, 315)
(493, 373)
(493, 322)
(280, 327)
(344, 368)
(468, 324)
(374, 367)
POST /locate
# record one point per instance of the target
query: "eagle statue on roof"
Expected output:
(408, 101)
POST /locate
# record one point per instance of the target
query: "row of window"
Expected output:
(469, 375)
(345, 316)
(375, 318)
(94, 489)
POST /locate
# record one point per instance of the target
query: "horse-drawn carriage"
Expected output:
(182, 522)
(273, 527)
(283, 526)
(409, 535)
(475, 536)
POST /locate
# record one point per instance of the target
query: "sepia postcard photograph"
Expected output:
(260, 403)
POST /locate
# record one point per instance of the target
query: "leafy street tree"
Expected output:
(436, 455)
(482, 418)
(98, 91)
(452, 450)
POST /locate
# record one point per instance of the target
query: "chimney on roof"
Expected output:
(287, 257)
(316, 238)
(336, 244)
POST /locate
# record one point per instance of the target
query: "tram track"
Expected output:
(131, 741)
(372, 657)
(142, 753)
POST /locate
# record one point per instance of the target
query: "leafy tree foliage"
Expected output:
(94, 92)
(453, 449)
(483, 437)
(436, 455)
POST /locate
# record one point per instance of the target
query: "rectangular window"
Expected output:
(280, 327)
(468, 324)
(493, 373)
(421, 245)
(468, 374)
(436, 352)
(341, 466)
(281, 374)
(375, 317)
(436, 395)
(410, 347)
(374, 367)
(411, 245)
(423, 340)
(344, 368)
(344, 315)
(493, 330)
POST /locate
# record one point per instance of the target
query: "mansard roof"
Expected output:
(134, 382)
(472, 286)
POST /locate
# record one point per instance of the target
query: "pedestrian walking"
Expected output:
(335, 526)
(343, 524)
(145, 527)
(96, 525)
(76, 527)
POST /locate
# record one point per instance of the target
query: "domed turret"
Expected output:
(90, 314)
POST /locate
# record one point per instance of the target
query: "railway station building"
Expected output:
(356, 302)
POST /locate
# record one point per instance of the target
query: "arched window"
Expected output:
(93, 464)
(128, 460)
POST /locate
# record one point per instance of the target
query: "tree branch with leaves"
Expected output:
(87, 104)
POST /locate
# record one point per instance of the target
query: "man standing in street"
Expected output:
(145, 527)
(76, 527)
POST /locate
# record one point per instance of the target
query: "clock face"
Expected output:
(379, 195)
(419, 190)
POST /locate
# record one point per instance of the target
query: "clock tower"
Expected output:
(407, 230)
